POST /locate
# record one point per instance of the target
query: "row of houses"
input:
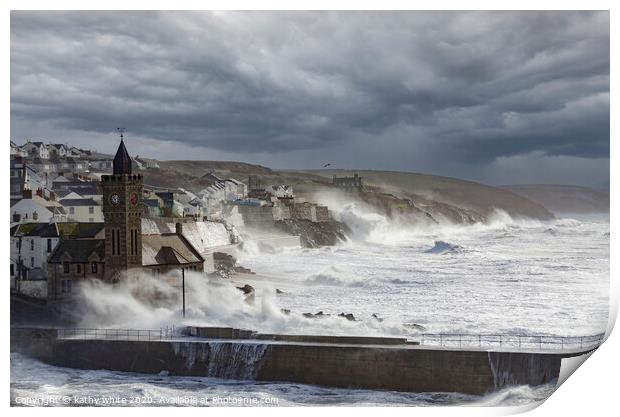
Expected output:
(44, 150)
(50, 257)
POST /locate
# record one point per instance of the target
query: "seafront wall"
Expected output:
(385, 367)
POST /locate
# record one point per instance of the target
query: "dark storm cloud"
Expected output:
(467, 87)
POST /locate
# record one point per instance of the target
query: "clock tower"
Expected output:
(122, 212)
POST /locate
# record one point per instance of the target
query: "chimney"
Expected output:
(179, 228)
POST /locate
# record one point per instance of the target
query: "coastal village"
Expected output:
(77, 214)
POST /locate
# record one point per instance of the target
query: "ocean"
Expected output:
(509, 277)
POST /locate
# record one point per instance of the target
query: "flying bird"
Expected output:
(327, 165)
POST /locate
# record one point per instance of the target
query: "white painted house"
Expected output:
(58, 149)
(84, 210)
(37, 149)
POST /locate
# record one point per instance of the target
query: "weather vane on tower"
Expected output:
(121, 130)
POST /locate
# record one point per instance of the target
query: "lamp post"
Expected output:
(183, 280)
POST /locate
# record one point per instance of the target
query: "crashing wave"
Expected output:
(444, 247)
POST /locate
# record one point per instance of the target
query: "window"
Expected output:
(49, 245)
(31, 244)
(78, 268)
(12, 270)
(91, 210)
(31, 262)
(65, 267)
(131, 242)
(93, 267)
(65, 285)
(71, 210)
(118, 241)
(133, 248)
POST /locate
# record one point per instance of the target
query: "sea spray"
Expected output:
(146, 302)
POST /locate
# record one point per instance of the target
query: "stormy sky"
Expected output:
(497, 97)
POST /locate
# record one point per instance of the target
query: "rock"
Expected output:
(279, 291)
(315, 234)
(224, 264)
(243, 270)
(318, 315)
(348, 316)
(249, 293)
(415, 326)
(374, 316)
(247, 289)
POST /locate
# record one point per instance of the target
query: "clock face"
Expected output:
(133, 199)
(115, 199)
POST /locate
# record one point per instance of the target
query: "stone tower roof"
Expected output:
(122, 160)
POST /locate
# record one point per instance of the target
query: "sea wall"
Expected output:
(382, 367)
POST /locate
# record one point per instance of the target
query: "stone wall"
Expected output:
(257, 215)
(303, 211)
(335, 365)
(322, 214)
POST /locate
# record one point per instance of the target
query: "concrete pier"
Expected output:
(345, 363)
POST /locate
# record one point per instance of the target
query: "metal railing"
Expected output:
(116, 334)
(522, 342)
(446, 340)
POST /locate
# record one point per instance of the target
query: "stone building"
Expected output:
(74, 260)
(122, 212)
(126, 248)
(353, 183)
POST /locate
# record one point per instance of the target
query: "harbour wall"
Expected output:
(384, 367)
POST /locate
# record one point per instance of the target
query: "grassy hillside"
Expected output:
(422, 190)
(564, 198)
(460, 193)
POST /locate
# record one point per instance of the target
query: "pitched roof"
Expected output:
(76, 202)
(122, 160)
(168, 249)
(234, 181)
(72, 230)
(37, 229)
(77, 230)
(80, 250)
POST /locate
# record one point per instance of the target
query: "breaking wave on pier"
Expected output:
(226, 360)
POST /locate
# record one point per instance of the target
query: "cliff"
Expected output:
(315, 234)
